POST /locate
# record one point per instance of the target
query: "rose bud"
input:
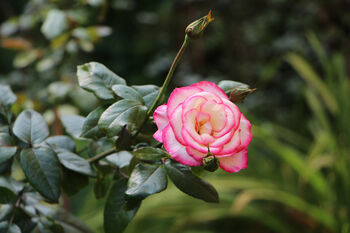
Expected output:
(196, 28)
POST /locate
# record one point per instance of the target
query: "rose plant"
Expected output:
(113, 146)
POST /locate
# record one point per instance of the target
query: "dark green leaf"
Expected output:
(184, 180)
(4, 228)
(120, 159)
(75, 163)
(61, 142)
(97, 78)
(5, 167)
(90, 128)
(227, 85)
(7, 98)
(7, 148)
(116, 215)
(148, 92)
(146, 180)
(30, 127)
(125, 112)
(128, 93)
(73, 124)
(149, 153)
(55, 24)
(42, 169)
(7, 191)
(73, 182)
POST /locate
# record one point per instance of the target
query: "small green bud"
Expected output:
(211, 163)
(238, 94)
(196, 28)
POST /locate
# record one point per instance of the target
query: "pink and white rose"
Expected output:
(199, 119)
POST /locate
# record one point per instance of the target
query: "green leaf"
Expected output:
(120, 159)
(146, 180)
(75, 163)
(73, 182)
(7, 98)
(149, 153)
(116, 215)
(5, 167)
(7, 148)
(42, 169)
(7, 191)
(30, 127)
(97, 78)
(61, 142)
(90, 128)
(148, 93)
(4, 228)
(125, 112)
(128, 93)
(73, 124)
(55, 24)
(227, 85)
(192, 185)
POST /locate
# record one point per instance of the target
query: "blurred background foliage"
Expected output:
(294, 52)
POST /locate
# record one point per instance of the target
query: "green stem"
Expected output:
(101, 155)
(169, 76)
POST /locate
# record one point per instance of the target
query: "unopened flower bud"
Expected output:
(211, 163)
(196, 28)
(238, 94)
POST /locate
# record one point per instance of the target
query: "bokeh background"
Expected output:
(295, 52)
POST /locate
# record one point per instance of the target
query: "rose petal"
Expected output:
(195, 153)
(178, 96)
(190, 124)
(235, 162)
(193, 102)
(176, 150)
(233, 145)
(191, 142)
(222, 140)
(217, 114)
(177, 124)
(235, 110)
(210, 87)
(245, 133)
(161, 119)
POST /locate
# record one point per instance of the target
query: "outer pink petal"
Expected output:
(161, 119)
(178, 96)
(176, 150)
(177, 124)
(246, 133)
(210, 87)
(235, 162)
